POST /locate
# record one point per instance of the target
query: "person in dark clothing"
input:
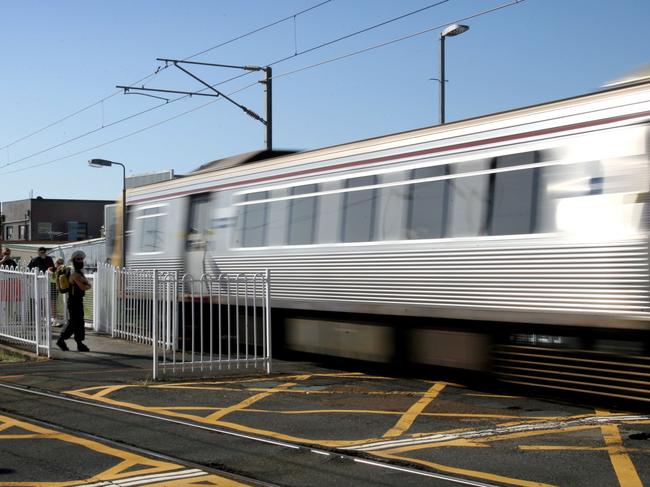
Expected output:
(6, 260)
(78, 287)
(43, 262)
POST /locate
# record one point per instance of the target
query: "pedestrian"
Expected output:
(43, 262)
(6, 260)
(78, 287)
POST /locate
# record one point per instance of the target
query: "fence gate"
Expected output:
(194, 326)
(25, 309)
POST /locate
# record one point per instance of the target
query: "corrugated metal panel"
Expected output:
(603, 278)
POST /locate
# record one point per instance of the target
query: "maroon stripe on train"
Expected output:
(434, 150)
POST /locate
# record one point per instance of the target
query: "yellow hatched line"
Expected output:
(127, 459)
(570, 448)
(410, 416)
(618, 454)
(226, 424)
(247, 402)
(465, 472)
(209, 480)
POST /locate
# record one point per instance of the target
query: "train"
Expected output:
(515, 242)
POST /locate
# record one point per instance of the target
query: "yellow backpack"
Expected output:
(62, 277)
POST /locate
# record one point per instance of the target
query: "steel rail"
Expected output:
(259, 439)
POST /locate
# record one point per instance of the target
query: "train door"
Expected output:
(197, 260)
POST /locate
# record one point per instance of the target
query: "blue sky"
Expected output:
(60, 57)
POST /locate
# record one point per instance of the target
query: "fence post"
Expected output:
(48, 315)
(113, 298)
(267, 298)
(37, 310)
(154, 331)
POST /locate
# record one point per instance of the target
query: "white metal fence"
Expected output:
(195, 326)
(25, 309)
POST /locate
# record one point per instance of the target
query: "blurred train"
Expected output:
(515, 242)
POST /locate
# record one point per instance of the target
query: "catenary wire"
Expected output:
(338, 58)
(81, 110)
(293, 16)
(311, 49)
(399, 39)
(149, 76)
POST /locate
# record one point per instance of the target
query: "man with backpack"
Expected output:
(77, 285)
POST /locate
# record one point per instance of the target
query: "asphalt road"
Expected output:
(96, 419)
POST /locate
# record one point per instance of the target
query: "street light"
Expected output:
(450, 31)
(105, 163)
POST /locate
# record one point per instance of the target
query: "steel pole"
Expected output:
(442, 79)
(269, 107)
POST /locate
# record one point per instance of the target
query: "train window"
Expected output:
(514, 196)
(302, 215)
(427, 204)
(198, 222)
(254, 220)
(329, 212)
(151, 221)
(392, 206)
(277, 217)
(468, 200)
(357, 224)
(578, 179)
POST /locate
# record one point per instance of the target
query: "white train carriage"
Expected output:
(535, 216)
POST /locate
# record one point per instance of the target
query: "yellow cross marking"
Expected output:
(251, 400)
(623, 466)
(409, 417)
(120, 470)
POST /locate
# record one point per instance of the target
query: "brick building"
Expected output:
(46, 220)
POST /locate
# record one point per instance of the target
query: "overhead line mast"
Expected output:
(267, 122)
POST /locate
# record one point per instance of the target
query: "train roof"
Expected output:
(239, 159)
(224, 168)
(638, 76)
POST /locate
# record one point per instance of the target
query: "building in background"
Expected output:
(51, 220)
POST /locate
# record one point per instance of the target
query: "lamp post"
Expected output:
(450, 31)
(105, 163)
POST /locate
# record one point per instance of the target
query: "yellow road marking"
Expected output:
(487, 439)
(128, 459)
(621, 461)
(465, 472)
(410, 416)
(298, 391)
(251, 400)
(570, 448)
(226, 424)
(108, 390)
(210, 480)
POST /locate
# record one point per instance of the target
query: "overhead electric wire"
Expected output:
(257, 30)
(399, 39)
(160, 68)
(81, 110)
(478, 14)
(311, 49)
(80, 136)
